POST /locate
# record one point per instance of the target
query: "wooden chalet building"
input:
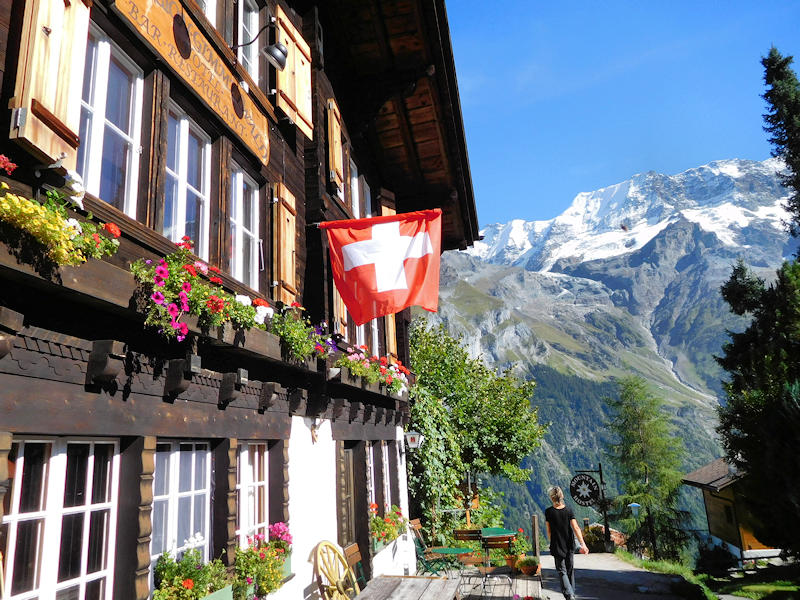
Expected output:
(116, 445)
(730, 523)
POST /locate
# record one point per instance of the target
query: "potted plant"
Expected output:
(528, 564)
(281, 540)
(258, 569)
(300, 340)
(384, 529)
(517, 549)
(190, 578)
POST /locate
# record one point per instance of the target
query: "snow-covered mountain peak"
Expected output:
(725, 197)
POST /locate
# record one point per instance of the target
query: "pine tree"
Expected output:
(647, 458)
(783, 124)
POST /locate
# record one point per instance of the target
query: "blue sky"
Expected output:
(564, 97)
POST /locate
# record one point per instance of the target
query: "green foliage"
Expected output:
(647, 458)
(388, 527)
(696, 588)
(490, 412)
(528, 561)
(258, 567)
(714, 559)
(299, 338)
(759, 422)
(188, 578)
(783, 124)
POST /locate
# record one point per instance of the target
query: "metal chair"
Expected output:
(469, 574)
(491, 578)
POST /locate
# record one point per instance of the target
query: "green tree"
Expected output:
(759, 422)
(647, 458)
(783, 124)
(486, 416)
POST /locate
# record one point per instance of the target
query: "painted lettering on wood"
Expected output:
(170, 31)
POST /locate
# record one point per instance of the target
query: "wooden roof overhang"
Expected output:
(391, 64)
(715, 476)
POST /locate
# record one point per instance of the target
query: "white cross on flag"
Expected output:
(382, 265)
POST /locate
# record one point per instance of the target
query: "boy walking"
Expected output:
(561, 524)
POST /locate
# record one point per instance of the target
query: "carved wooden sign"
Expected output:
(171, 32)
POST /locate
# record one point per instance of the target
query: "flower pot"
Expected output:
(530, 569)
(511, 561)
(225, 593)
(286, 570)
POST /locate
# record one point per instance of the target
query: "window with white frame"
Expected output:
(186, 195)
(62, 507)
(209, 10)
(387, 483)
(371, 491)
(181, 498)
(110, 125)
(248, 29)
(252, 491)
(244, 250)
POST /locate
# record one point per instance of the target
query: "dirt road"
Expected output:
(605, 577)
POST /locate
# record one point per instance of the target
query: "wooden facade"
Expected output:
(171, 120)
(729, 521)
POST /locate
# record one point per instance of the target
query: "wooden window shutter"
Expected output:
(285, 266)
(339, 313)
(47, 96)
(335, 150)
(390, 326)
(294, 82)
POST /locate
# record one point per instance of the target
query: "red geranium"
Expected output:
(112, 229)
(215, 304)
(6, 164)
(296, 305)
(216, 280)
(190, 269)
(214, 269)
(188, 583)
(96, 239)
(260, 302)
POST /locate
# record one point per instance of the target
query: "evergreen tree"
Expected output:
(647, 458)
(783, 124)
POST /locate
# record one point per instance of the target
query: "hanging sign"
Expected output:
(170, 31)
(584, 489)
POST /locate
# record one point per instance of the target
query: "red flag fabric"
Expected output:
(381, 265)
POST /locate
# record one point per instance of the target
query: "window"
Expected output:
(110, 125)
(244, 251)
(252, 491)
(372, 494)
(387, 476)
(294, 81)
(248, 28)
(181, 498)
(186, 195)
(63, 504)
(209, 10)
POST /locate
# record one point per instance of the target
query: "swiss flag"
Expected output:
(381, 265)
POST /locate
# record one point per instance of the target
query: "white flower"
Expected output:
(262, 312)
(73, 186)
(74, 228)
(244, 300)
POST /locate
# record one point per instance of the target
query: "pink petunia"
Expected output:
(162, 271)
(201, 266)
(183, 328)
(173, 309)
(186, 287)
(157, 297)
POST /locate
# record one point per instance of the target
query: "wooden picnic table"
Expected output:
(394, 587)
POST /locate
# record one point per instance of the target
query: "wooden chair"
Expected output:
(352, 554)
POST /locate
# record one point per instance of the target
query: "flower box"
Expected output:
(346, 376)
(225, 593)
(287, 565)
(378, 545)
(375, 388)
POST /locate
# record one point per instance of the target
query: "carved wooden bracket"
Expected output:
(231, 387)
(179, 374)
(369, 410)
(298, 397)
(269, 395)
(10, 324)
(105, 361)
(379, 414)
(317, 404)
(337, 407)
(355, 409)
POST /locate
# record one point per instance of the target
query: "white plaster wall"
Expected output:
(312, 502)
(312, 509)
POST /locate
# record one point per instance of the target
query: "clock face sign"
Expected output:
(584, 489)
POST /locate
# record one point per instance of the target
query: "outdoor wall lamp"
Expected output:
(276, 54)
(414, 439)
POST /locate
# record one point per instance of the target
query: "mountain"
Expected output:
(625, 281)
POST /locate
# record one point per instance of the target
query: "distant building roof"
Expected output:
(714, 476)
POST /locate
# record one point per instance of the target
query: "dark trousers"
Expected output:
(566, 574)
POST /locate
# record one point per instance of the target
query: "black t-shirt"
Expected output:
(561, 535)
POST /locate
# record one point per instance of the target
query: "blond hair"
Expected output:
(556, 495)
